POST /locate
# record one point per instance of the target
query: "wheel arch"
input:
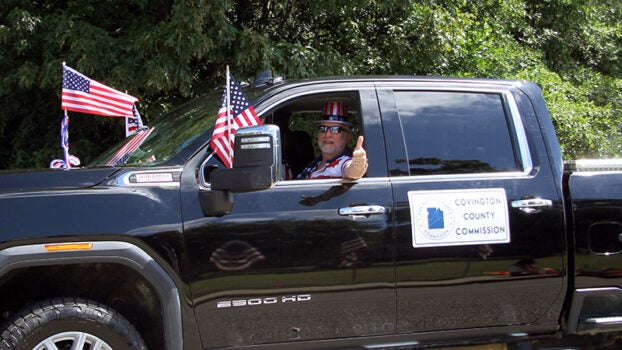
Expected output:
(102, 265)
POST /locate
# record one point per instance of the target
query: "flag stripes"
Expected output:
(84, 95)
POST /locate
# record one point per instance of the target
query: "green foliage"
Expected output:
(583, 126)
(170, 51)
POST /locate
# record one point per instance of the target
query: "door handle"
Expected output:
(362, 211)
(532, 205)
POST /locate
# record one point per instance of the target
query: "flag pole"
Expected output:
(65, 147)
(65, 140)
(228, 81)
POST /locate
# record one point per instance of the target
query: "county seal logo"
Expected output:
(435, 220)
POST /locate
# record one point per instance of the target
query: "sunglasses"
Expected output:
(333, 129)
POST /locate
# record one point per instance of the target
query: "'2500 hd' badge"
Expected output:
(263, 301)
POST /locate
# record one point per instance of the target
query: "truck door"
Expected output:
(479, 223)
(303, 260)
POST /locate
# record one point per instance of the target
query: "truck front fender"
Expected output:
(115, 252)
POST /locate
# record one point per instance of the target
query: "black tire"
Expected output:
(65, 322)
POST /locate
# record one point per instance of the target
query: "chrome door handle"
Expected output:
(363, 211)
(532, 205)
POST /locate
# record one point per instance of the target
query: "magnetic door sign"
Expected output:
(459, 217)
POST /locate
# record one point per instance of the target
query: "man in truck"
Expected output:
(336, 160)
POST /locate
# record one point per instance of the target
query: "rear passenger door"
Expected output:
(471, 250)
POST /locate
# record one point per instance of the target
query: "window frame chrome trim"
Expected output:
(503, 90)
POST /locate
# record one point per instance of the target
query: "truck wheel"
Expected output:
(70, 324)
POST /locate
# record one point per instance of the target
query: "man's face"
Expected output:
(331, 144)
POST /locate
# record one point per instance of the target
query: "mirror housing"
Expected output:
(257, 161)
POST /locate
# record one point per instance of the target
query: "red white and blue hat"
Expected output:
(335, 112)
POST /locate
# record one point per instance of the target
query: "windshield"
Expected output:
(168, 136)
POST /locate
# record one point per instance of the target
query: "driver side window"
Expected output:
(298, 123)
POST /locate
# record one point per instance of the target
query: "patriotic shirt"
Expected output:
(332, 170)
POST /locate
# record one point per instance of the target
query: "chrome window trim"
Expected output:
(346, 87)
(400, 179)
(463, 177)
(521, 135)
(516, 175)
(504, 90)
(315, 182)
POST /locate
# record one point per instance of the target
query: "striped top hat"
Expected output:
(335, 112)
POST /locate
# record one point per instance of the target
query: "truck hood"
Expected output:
(52, 178)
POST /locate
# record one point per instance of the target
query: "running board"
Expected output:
(595, 310)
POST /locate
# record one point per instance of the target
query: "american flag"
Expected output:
(133, 124)
(129, 147)
(243, 115)
(84, 95)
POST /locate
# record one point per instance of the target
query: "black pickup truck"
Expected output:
(467, 229)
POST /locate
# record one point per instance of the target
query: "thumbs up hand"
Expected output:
(359, 151)
(357, 166)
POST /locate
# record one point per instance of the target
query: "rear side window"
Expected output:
(456, 132)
